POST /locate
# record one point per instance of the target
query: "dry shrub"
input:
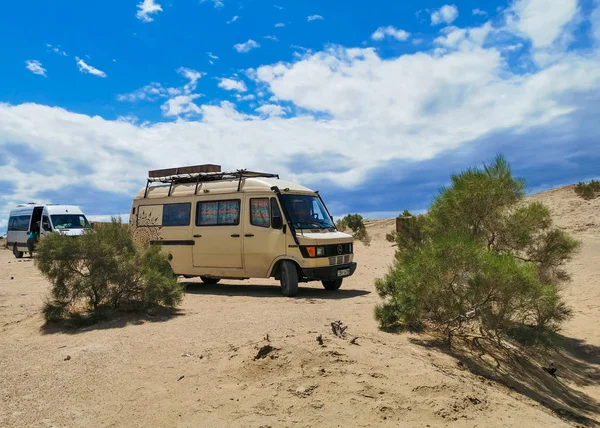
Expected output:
(104, 269)
(478, 263)
(356, 224)
(589, 190)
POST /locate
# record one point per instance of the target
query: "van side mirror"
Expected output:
(277, 222)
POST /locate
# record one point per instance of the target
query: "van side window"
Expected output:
(19, 223)
(218, 213)
(275, 211)
(260, 213)
(176, 214)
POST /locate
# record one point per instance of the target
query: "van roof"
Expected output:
(246, 185)
(50, 208)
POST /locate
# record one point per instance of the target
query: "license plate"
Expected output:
(343, 272)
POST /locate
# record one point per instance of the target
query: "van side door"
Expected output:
(217, 232)
(263, 243)
(46, 226)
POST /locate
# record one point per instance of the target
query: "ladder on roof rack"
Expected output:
(201, 177)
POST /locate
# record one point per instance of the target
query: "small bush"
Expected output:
(104, 269)
(478, 262)
(356, 224)
(589, 190)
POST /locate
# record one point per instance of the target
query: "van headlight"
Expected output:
(320, 251)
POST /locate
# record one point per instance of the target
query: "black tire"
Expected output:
(289, 279)
(210, 281)
(18, 254)
(332, 285)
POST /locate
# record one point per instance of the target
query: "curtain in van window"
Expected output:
(259, 212)
(229, 212)
(217, 213)
(206, 213)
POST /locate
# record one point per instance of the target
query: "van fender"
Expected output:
(275, 264)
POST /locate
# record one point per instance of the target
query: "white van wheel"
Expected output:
(18, 254)
(289, 279)
(332, 285)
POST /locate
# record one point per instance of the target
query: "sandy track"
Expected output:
(198, 368)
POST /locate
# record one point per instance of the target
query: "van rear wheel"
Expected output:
(289, 279)
(210, 281)
(18, 254)
(332, 285)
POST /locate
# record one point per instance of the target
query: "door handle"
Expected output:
(235, 235)
(248, 235)
(197, 236)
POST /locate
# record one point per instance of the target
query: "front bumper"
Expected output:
(328, 273)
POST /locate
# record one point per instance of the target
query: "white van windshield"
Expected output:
(69, 221)
(306, 212)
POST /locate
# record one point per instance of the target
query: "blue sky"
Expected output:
(374, 104)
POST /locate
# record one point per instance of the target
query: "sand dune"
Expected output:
(199, 368)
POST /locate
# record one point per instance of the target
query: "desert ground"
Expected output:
(199, 367)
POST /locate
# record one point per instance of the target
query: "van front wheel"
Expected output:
(18, 254)
(289, 279)
(332, 285)
(209, 281)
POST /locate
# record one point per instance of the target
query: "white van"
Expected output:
(65, 219)
(241, 224)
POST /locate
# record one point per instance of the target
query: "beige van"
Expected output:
(239, 225)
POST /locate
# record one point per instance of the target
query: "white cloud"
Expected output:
(465, 38)
(271, 110)
(210, 55)
(35, 67)
(542, 21)
(279, 25)
(232, 20)
(246, 47)
(155, 91)
(390, 31)
(150, 92)
(248, 97)
(216, 3)
(56, 50)
(444, 15)
(273, 38)
(314, 18)
(232, 85)
(147, 8)
(85, 68)
(278, 7)
(181, 105)
(479, 12)
(192, 75)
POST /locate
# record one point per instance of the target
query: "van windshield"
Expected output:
(306, 212)
(69, 221)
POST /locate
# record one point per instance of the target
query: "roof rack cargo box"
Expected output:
(194, 169)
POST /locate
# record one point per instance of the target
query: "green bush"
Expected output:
(478, 261)
(104, 269)
(356, 224)
(589, 190)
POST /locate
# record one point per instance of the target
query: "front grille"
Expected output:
(332, 250)
(339, 260)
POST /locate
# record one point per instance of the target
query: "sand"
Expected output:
(198, 368)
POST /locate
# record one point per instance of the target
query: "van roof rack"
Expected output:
(175, 176)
